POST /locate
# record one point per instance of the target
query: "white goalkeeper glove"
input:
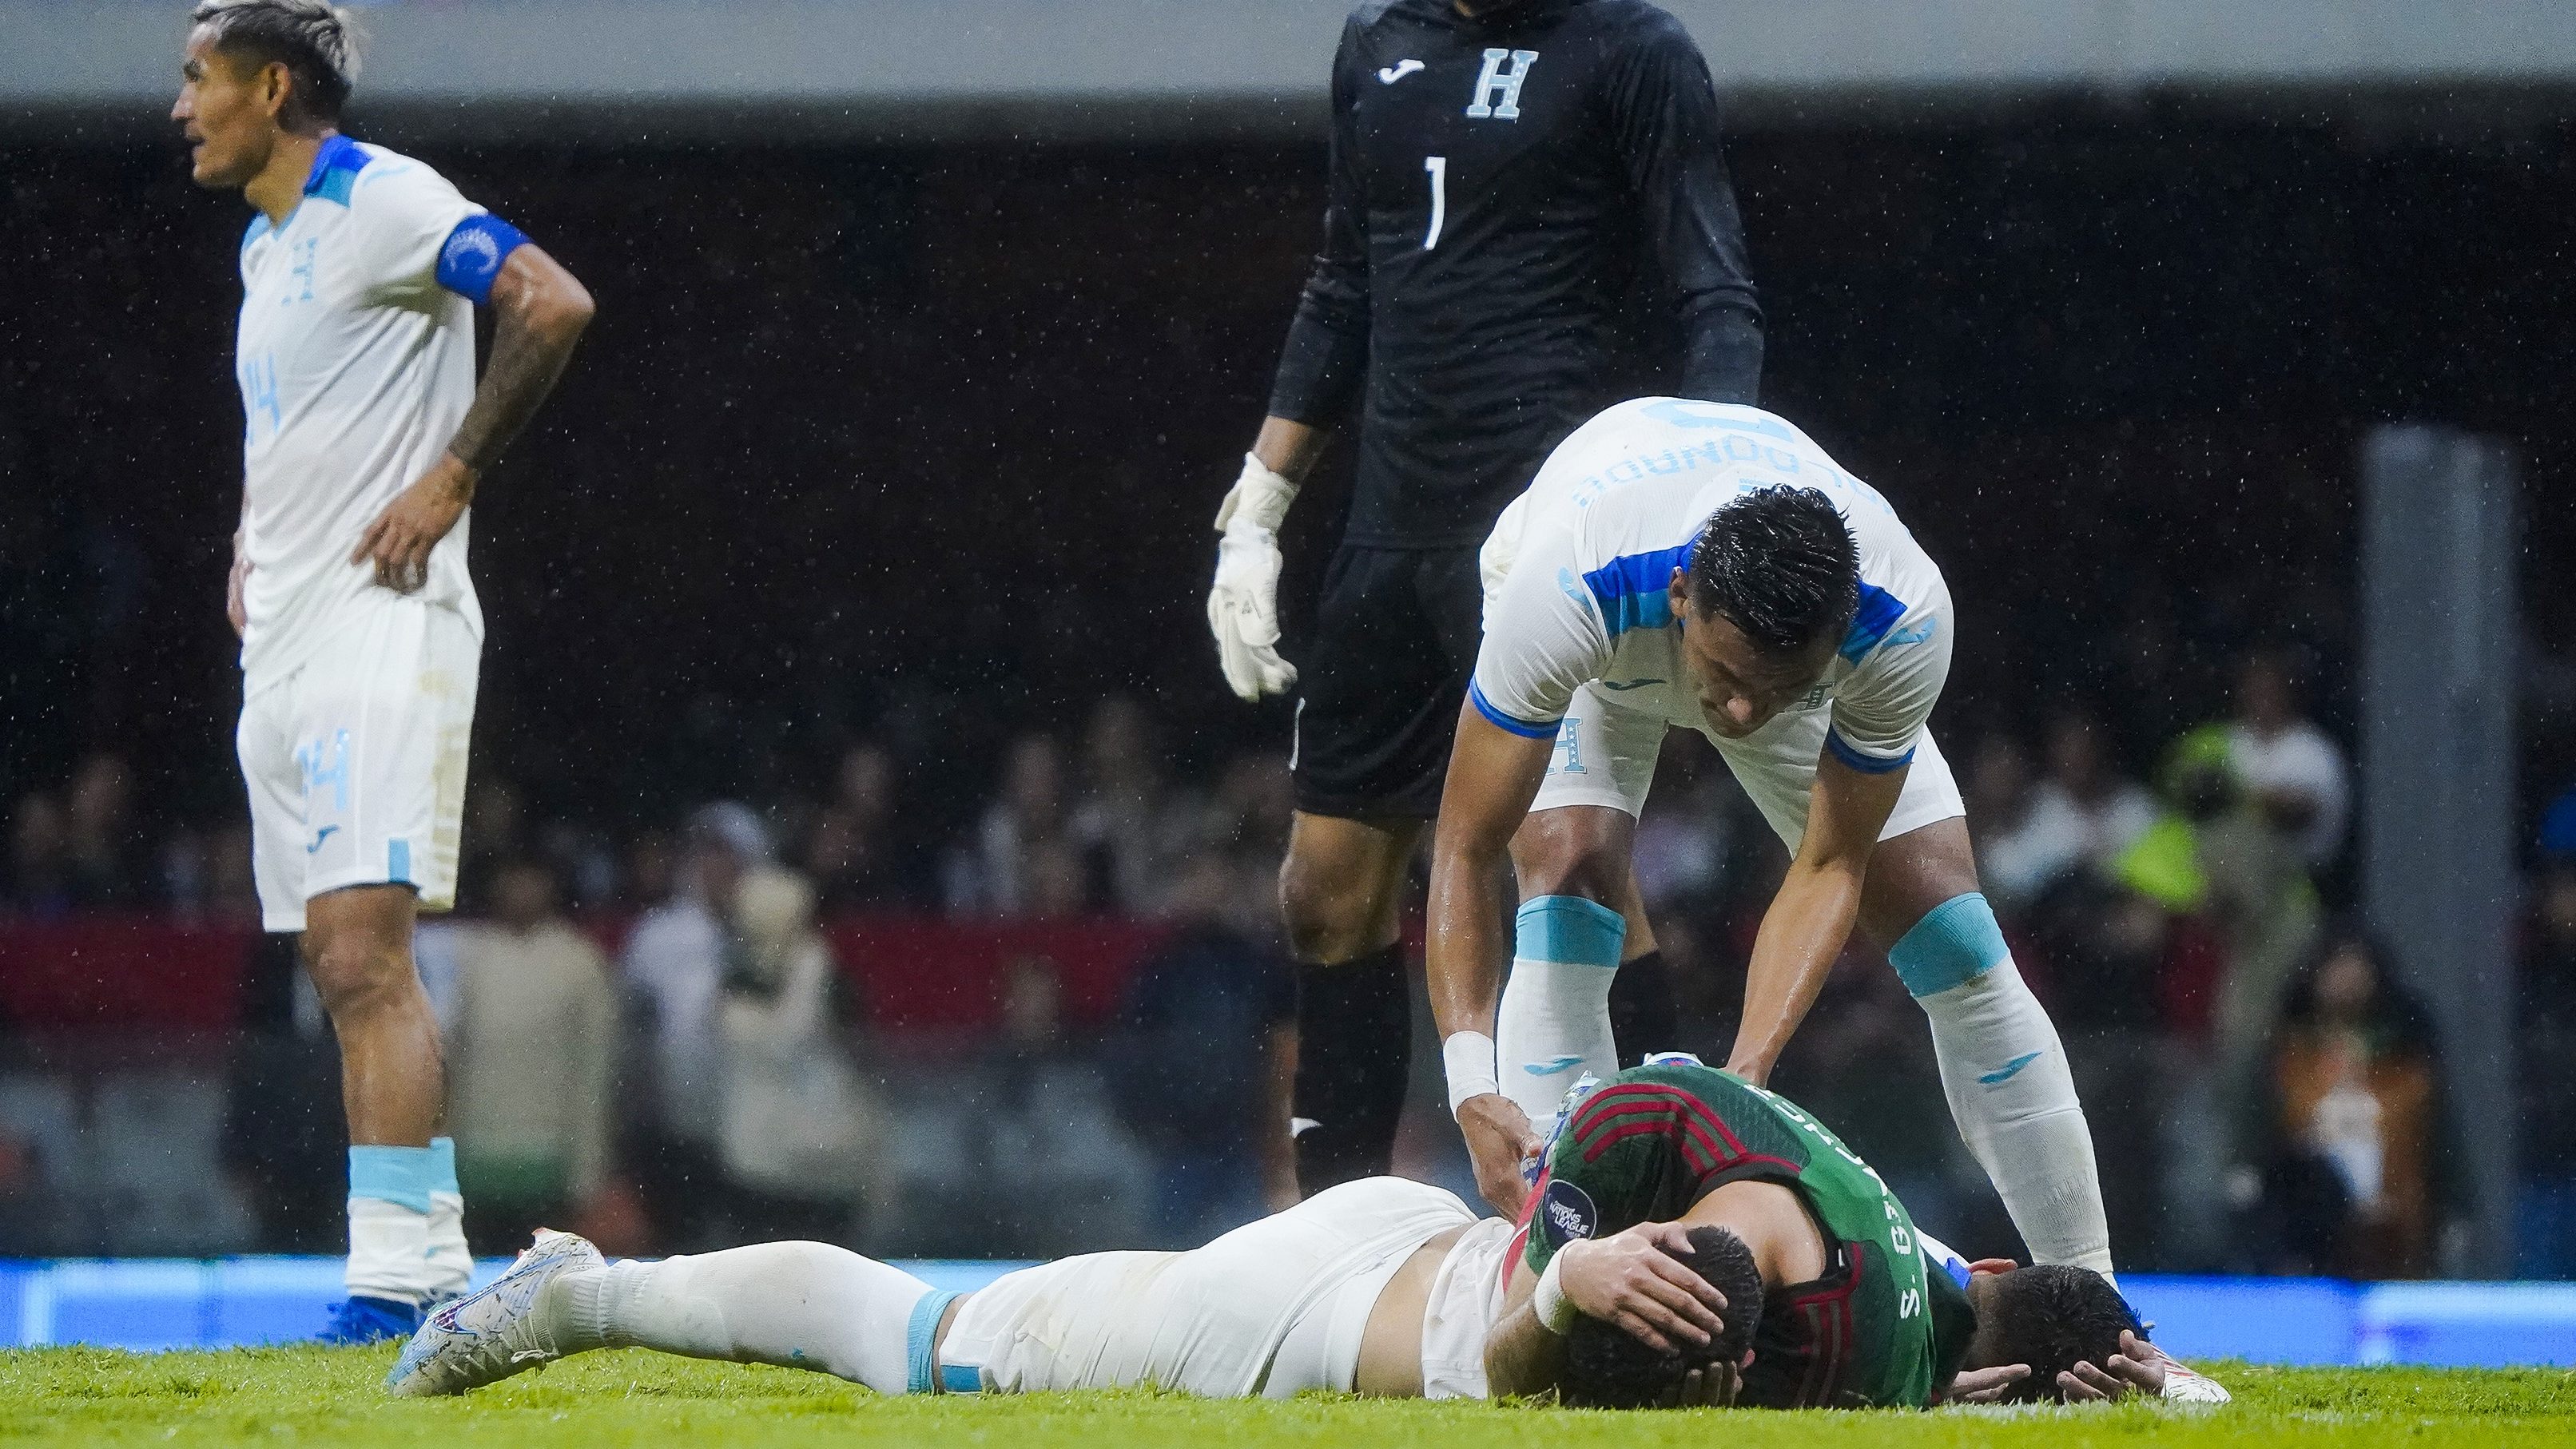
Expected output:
(1243, 607)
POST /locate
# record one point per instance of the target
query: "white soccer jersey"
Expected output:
(356, 366)
(1615, 510)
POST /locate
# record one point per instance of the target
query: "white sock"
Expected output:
(797, 1305)
(451, 1265)
(2010, 1090)
(388, 1251)
(1554, 1022)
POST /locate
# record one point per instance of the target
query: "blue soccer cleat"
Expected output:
(495, 1332)
(364, 1320)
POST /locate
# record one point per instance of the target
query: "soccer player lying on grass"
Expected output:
(1780, 1286)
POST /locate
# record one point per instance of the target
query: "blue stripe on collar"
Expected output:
(1878, 612)
(335, 168)
(1635, 590)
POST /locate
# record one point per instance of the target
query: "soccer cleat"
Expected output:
(2185, 1385)
(364, 1320)
(493, 1333)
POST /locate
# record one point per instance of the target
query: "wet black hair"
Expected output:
(1779, 564)
(2053, 1316)
(1608, 1368)
(315, 40)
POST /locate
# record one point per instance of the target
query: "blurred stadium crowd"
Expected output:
(668, 1035)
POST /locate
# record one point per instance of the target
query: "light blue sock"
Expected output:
(921, 1332)
(2007, 1079)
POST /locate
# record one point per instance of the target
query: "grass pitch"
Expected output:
(289, 1396)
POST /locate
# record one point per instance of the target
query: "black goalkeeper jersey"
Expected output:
(1497, 183)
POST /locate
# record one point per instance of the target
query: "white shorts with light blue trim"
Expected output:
(356, 761)
(1270, 1310)
(1606, 753)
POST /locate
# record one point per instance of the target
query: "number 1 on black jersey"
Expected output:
(1438, 166)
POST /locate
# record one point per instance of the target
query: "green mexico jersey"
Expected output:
(1876, 1329)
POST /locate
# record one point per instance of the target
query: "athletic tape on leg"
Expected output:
(1956, 942)
(1569, 930)
(403, 1176)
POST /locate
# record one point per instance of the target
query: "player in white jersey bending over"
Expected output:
(1709, 567)
(365, 434)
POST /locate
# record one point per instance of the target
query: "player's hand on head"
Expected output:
(1985, 1385)
(1499, 1141)
(1712, 1386)
(2138, 1368)
(1637, 1281)
(398, 543)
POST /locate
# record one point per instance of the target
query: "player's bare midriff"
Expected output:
(1391, 1346)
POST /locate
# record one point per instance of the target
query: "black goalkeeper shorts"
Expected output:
(1378, 691)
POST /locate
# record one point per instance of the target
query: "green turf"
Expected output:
(285, 1396)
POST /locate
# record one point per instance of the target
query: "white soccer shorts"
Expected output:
(1606, 753)
(1271, 1309)
(356, 761)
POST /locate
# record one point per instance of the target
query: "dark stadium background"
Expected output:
(931, 433)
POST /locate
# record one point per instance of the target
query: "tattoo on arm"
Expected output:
(527, 360)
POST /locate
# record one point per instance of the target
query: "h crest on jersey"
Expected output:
(1498, 85)
(299, 283)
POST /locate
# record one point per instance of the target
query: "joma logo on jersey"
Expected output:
(1498, 89)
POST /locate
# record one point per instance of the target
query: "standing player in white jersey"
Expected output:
(1709, 567)
(365, 434)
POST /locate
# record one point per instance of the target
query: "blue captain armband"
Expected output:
(469, 261)
(1841, 749)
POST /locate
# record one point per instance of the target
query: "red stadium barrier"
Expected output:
(122, 974)
(923, 973)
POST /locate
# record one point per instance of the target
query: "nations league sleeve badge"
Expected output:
(1565, 1213)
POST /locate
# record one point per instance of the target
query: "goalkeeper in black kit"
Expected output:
(1505, 175)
